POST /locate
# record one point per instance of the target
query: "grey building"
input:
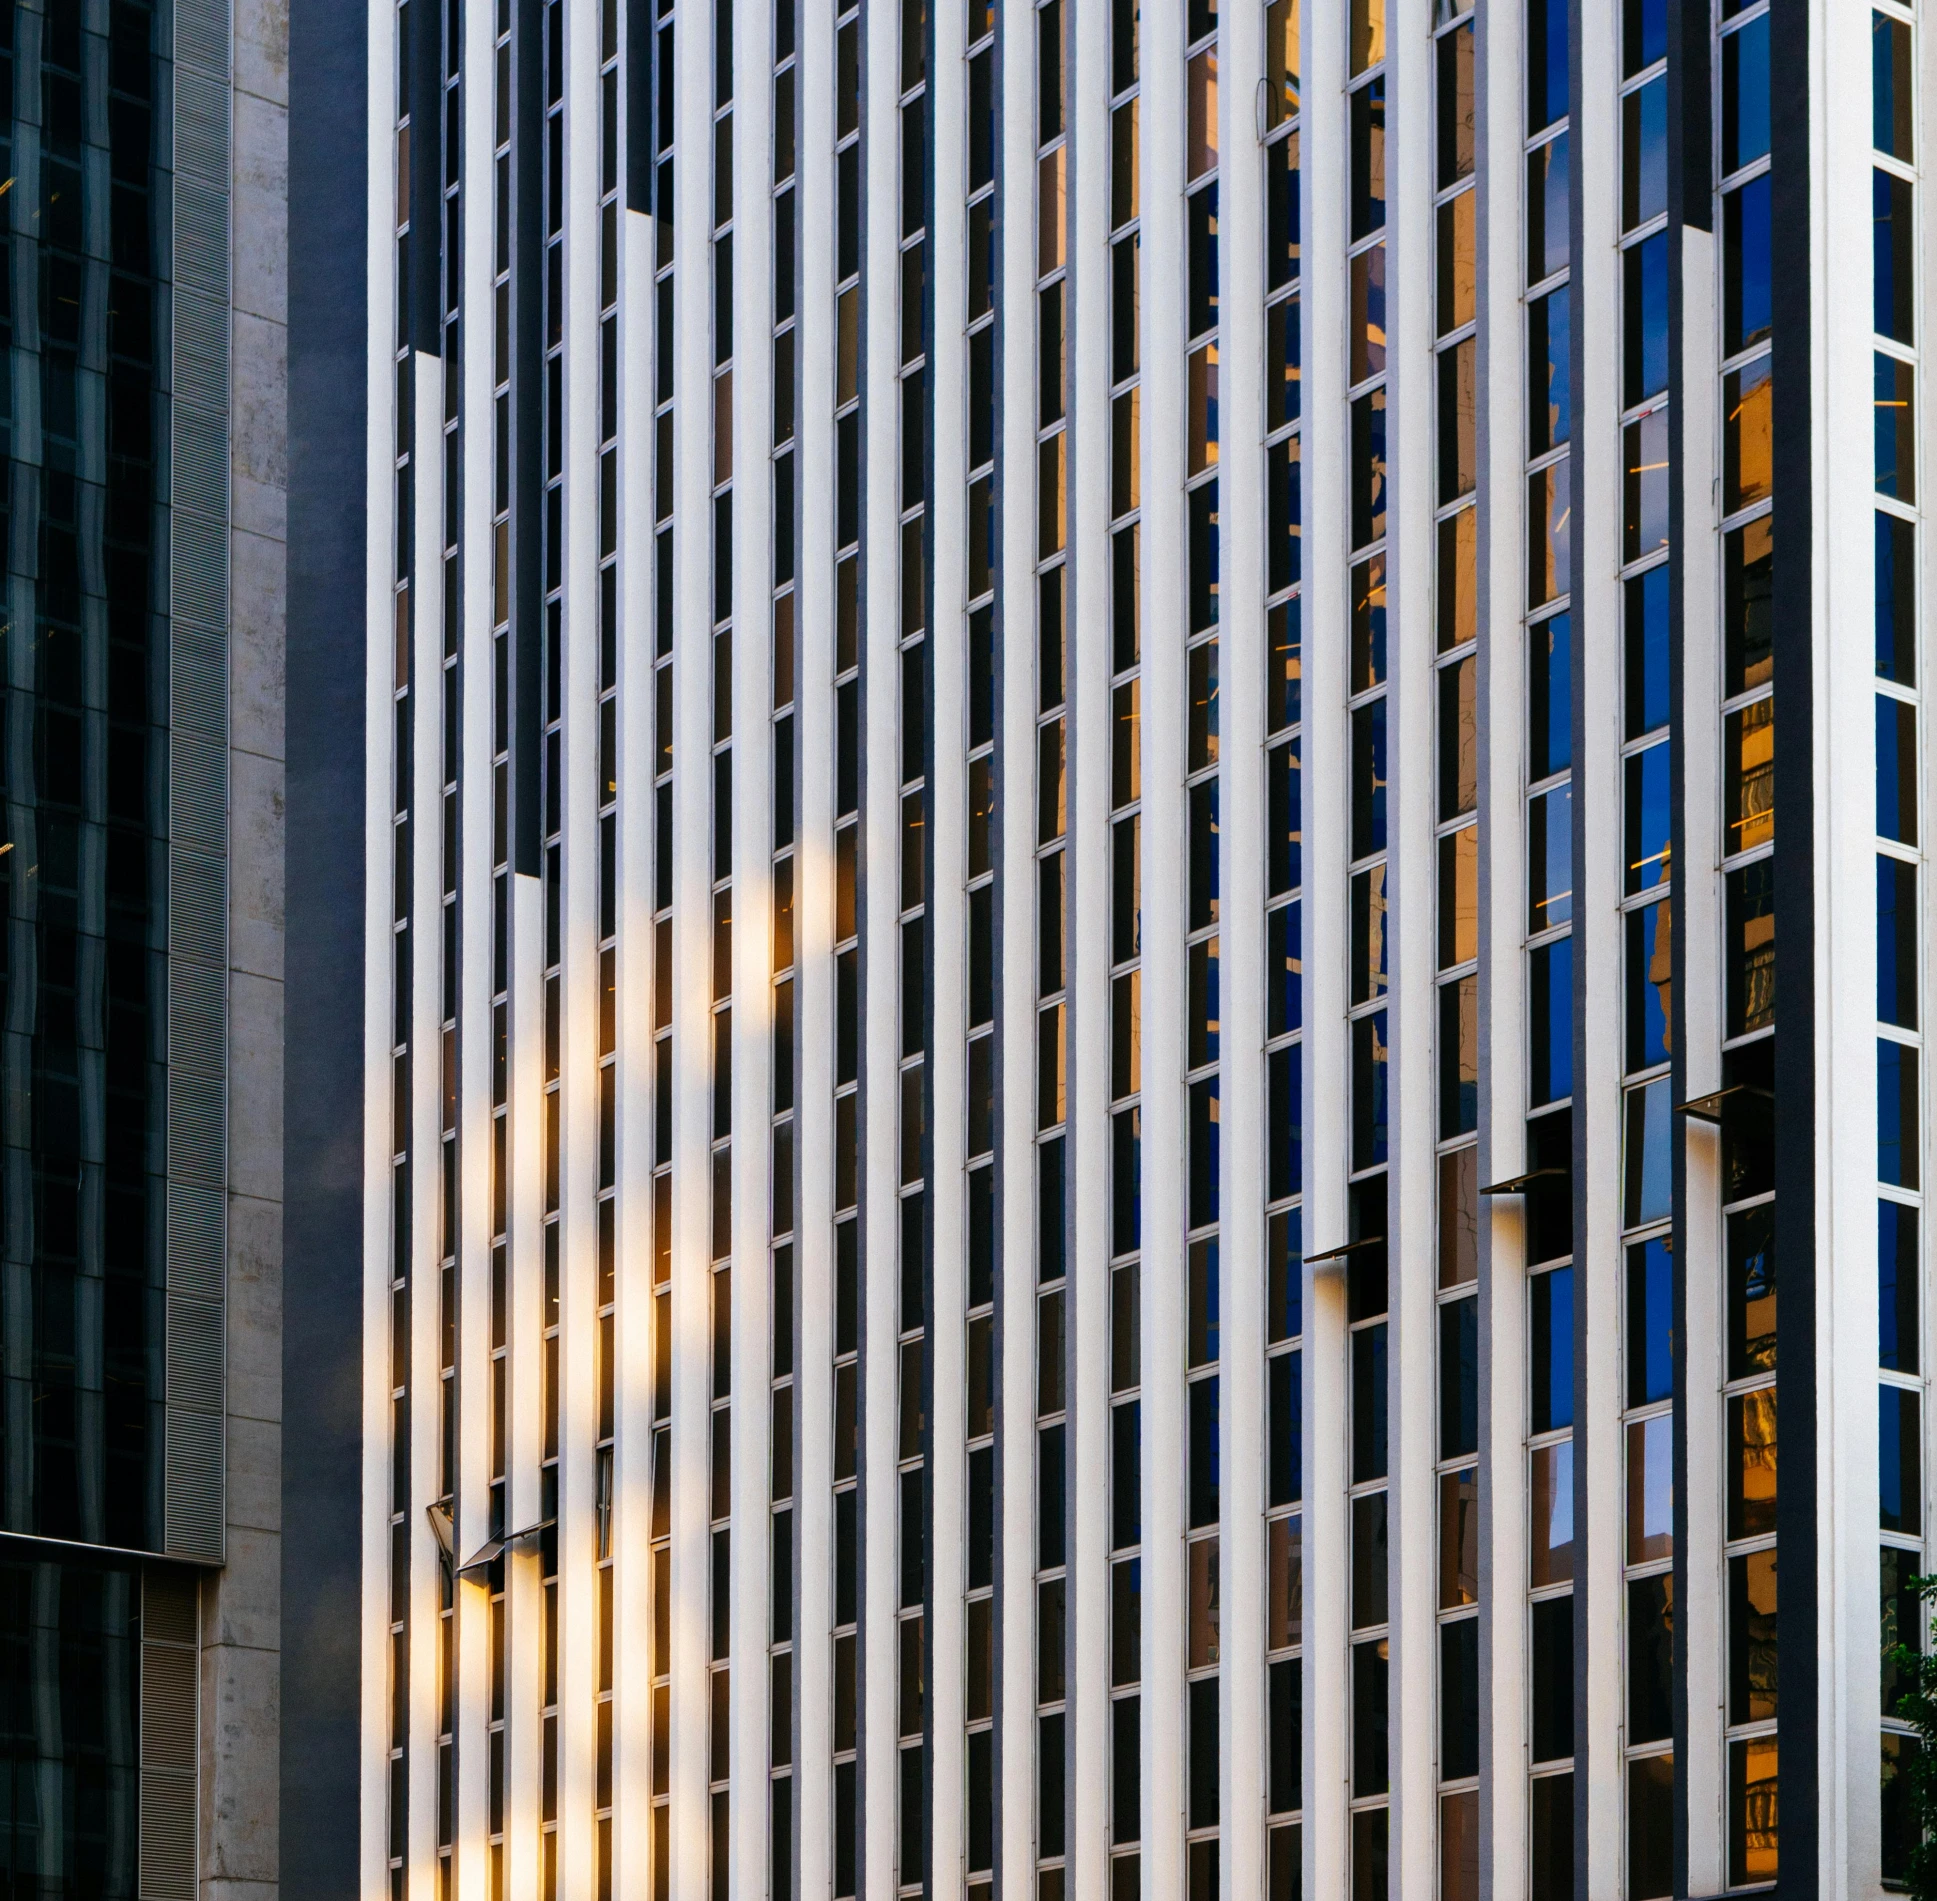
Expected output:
(141, 865)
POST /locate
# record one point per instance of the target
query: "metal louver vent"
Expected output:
(169, 1658)
(198, 831)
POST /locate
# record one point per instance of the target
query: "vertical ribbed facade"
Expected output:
(1081, 1120)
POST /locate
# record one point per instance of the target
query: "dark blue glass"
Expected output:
(1285, 1276)
(1284, 972)
(1893, 256)
(1644, 34)
(1285, 1153)
(1203, 1152)
(1896, 1287)
(1650, 980)
(1205, 1450)
(1551, 1349)
(1546, 63)
(1645, 320)
(1368, 158)
(1745, 95)
(1745, 265)
(1896, 942)
(1651, 1321)
(1459, 1378)
(1551, 1003)
(1896, 428)
(1368, 468)
(1369, 1105)
(1899, 1461)
(1550, 707)
(1892, 87)
(1550, 404)
(1896, 1114)
(1647, 652)
(1368, 779)
(1896, 599)
(1369, 1404)
(1286, 1427)
(1647, 818)
(1896, 769)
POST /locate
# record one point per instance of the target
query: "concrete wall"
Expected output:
(241, 1605)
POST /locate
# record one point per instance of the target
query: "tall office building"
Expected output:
(1079, 1085)
(140, 868)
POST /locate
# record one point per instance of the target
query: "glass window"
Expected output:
(1650, 960)
(1650, 1639)
(1752, 1638)
(1546, 63)
(1651, 1322)
(1547, 213)
(1551, 1028)
(1748, 471)
(1549, 405)
(1644, 274)
(1892, 87)
(1897, 1287)
(1749, 763)
(1368, 780)
(1745, 95)
(1896, 599)
(1459, 1699)
(1752, 1814)
(1456, 271)
(1368, 1404)
(1751, 948)
(1459, 1378)
(1748, 573)
(1899, 1461)
(1751, 1293)
(1896, 428)
(1459, 1538)
(1896, 770)
(1369, 1102)
(1551, 1350)
(1651, 1490)
(1649, 1161)
(1368, 158)
(1893, 256)
(1550, 858)
(1549, 538)
(1644, 153)
(1553, 1679)
(1751, 1458)
(1550, 707)
(1745, 266)
(1551, 1555)
(1459, 1057)
(1897, 1144)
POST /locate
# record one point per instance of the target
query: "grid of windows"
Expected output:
(1899, 859)
(860, 650)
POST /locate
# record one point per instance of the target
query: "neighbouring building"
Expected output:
(1082, 1100)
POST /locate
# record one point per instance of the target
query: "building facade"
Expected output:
(1037, 745)
(140, 871)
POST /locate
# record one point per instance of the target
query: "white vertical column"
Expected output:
(1327, 1092)
(881, 949)
(814, 957)
(1087, 611)
(478, 205)
(1500, 109)
(692, 534)
(1599, 948)
(1411, 801)
(1842, 741)
(1015, 905)
(578, 1159)
(1164, 878)
(752, 681)
(1242, 504)
(632, 1452)
(947, 938)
